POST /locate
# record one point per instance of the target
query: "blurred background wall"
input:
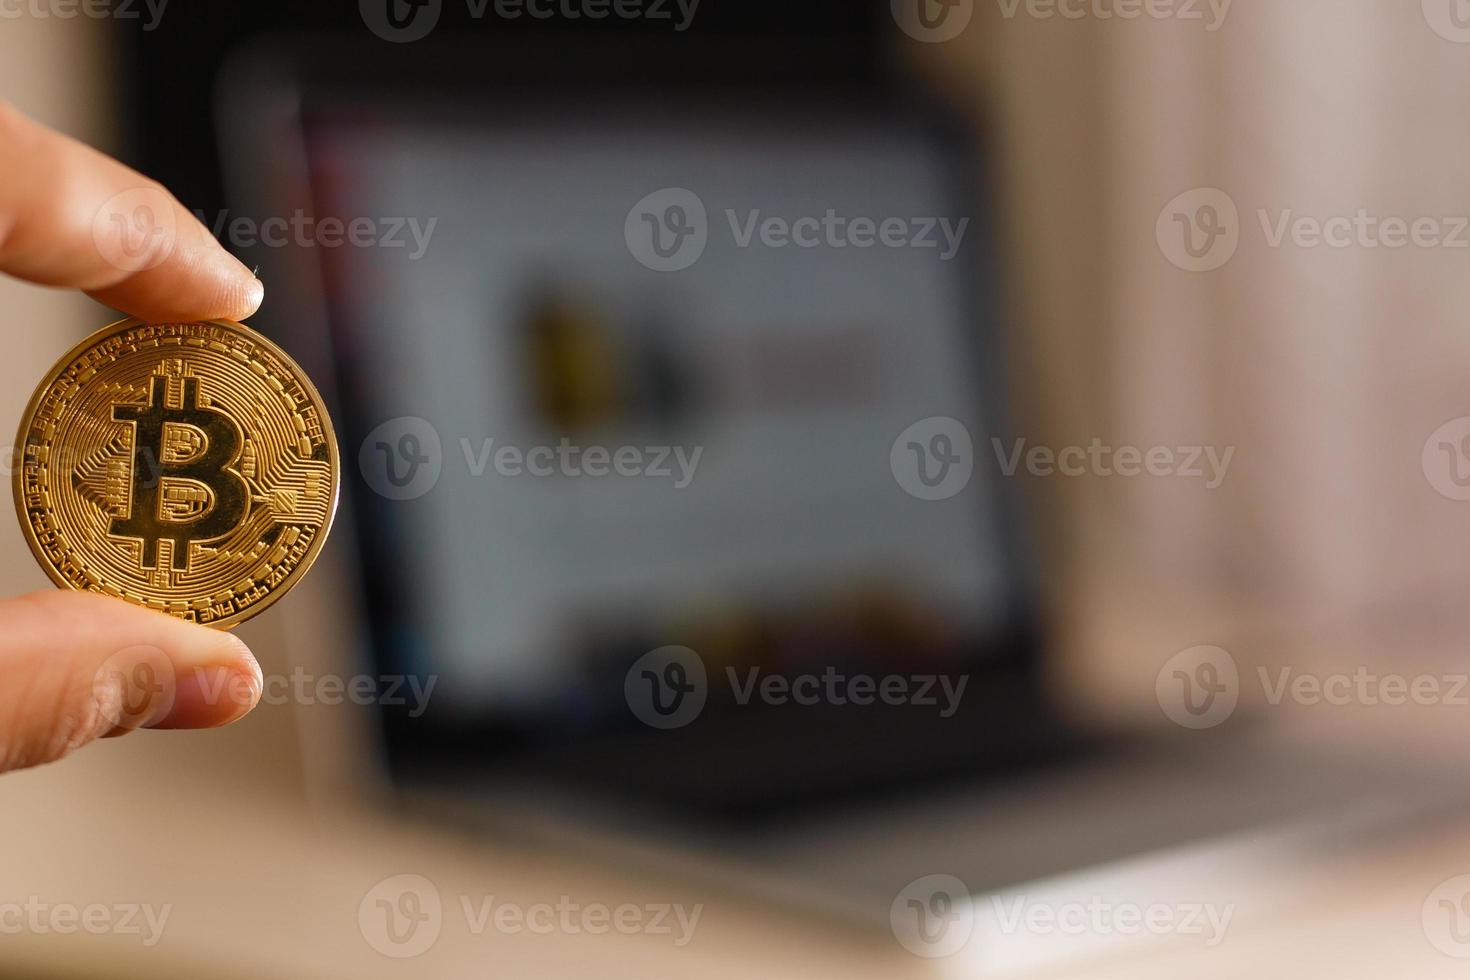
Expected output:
(1327, 368)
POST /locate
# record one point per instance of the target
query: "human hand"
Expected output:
(76, 666)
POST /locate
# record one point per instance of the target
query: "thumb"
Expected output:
(75, 666)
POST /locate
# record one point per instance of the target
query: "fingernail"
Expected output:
(241, 291)
(254, 294)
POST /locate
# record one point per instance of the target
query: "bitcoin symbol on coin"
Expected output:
(192, 496)
(187, 467)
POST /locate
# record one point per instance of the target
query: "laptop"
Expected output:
(670, 506)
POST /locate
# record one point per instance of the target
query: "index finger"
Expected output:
(71, 216)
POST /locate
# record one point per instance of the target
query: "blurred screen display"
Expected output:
(631, 456)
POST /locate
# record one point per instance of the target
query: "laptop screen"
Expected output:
(626, 384)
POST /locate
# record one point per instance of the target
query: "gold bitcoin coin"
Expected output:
(187, 467)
